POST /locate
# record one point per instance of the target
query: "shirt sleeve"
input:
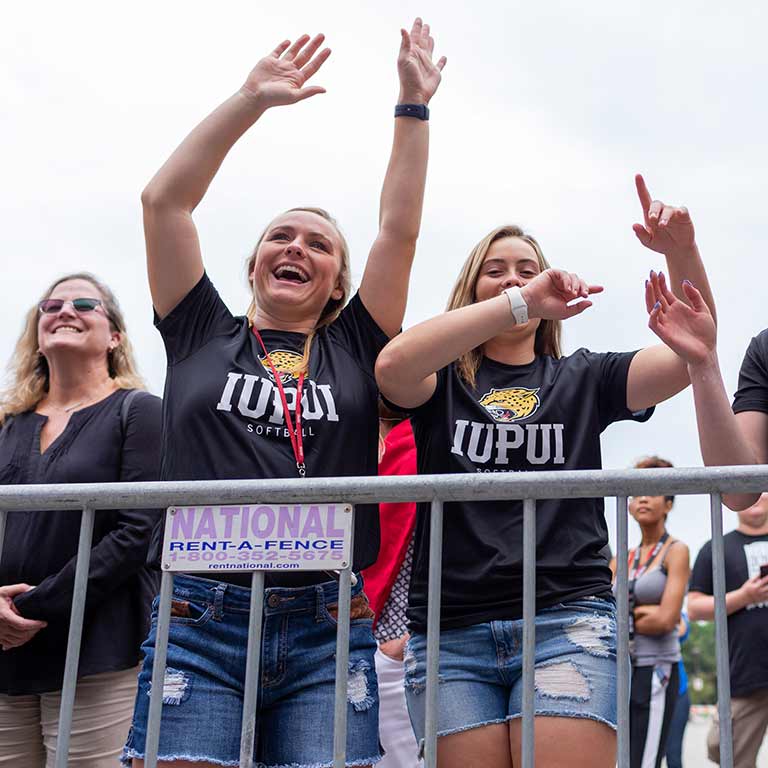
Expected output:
(612, 369)
(437, 398)
(701, 575)
(752, 394)
(121, 552)
(359, 334)
(200, 316)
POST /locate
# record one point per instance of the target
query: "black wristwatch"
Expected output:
(419, 111)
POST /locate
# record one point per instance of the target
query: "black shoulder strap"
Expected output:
(125, 407)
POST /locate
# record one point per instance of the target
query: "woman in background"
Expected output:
(75, 412)
(658, 576)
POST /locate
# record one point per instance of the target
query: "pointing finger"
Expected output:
(643, 194)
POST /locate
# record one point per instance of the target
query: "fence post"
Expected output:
(622, 626)
(721, 633)
(158, 671)
(434, 586)
(342, 658)
(529, 631)
(73, 639)
(252, 659)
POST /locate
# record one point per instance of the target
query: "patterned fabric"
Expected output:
(392, 622)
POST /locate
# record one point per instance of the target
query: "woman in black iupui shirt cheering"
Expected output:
(490, 391)
(232, 388)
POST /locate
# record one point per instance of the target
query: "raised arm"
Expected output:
(656, 373)
(174, 262)
(406, 368)
(384, 288)
(689, 331)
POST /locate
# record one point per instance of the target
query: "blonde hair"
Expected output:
(29, 368)
(547, 341)
(333, 307)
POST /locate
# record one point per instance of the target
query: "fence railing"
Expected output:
(437, 489)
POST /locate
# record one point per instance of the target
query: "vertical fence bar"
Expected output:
(529, 630)
(721, 633)
(433, 631)
(622, 640)
(252, 659)
(75, 635)
(158, 671)
(3, 516)
(342, 659)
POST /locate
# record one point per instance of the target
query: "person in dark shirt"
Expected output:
(232, 388)
(746, 601)
(75, 412)
(489, 391)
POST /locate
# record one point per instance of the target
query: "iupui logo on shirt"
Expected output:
(287, 364)
(513, 404)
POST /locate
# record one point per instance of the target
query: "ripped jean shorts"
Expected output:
(205, 677)
(481, 669)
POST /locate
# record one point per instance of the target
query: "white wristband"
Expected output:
(517, 305)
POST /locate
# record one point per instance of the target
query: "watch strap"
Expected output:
(517, 305)
(419, 111)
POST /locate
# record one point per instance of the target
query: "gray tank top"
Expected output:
(654, 649)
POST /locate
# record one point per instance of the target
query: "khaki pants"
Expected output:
(100, 723)
(749, 718)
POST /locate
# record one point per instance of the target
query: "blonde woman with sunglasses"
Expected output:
(74, 412)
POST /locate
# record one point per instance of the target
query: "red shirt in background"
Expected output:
(397, 520)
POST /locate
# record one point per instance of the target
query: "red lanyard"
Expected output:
(635, 558)
(297, 442)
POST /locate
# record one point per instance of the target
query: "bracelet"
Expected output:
(420, 111)
(517, 305)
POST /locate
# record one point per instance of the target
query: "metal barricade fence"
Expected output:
(437, 489)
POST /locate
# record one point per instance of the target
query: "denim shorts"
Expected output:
(481, 669)
(205, 676)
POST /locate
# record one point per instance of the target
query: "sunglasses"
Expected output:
(54, 306)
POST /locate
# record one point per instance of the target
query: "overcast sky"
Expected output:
(545, 112)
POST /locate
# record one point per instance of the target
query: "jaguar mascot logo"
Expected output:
(287, 364)
(511, 404)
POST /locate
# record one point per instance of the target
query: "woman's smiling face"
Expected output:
(297, 266)
(71, 332)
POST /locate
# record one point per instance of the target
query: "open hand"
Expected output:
(419, 75)
(280, 78)
(549, 294)
(15, 630)
(667, 229)
(689, 331)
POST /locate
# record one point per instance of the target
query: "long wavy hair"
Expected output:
(333, 307)
(28, 368)
(547, 341)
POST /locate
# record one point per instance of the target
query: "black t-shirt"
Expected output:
(40, 548)
(752, 394)
(542, 416)
(747, 628)
(223, 416)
